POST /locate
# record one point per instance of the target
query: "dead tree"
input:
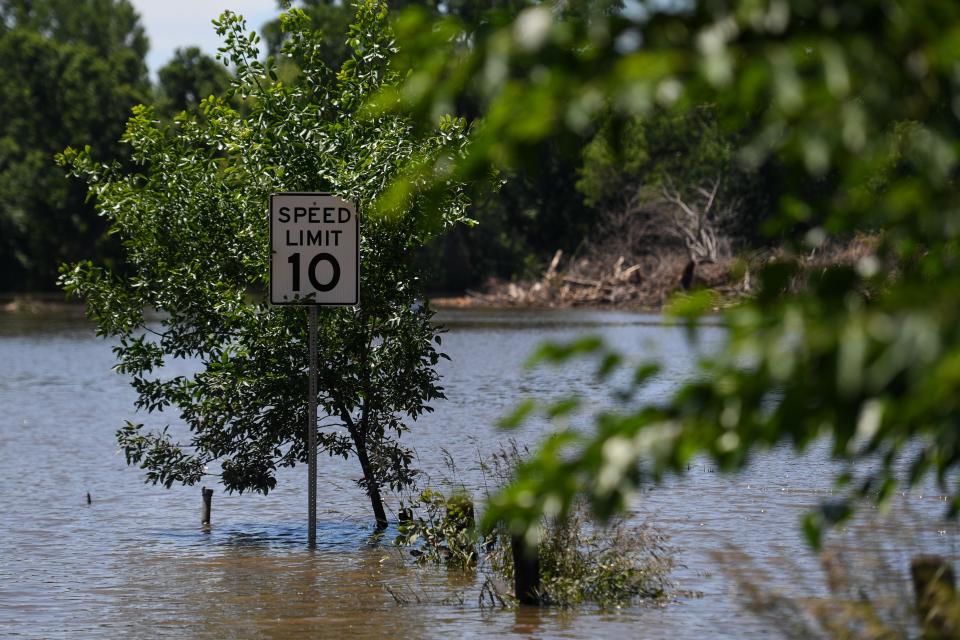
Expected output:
(696, 216)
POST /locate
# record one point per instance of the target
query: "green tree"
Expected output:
(533, 211)
(331, 19)
(188, 78)
(71, 71)
(857, 103)
(675, 174)
(192, 224)
(111, 27)
(523, 218)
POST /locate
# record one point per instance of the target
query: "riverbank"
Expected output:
(37, 302)
(646, 282)
(643, 284)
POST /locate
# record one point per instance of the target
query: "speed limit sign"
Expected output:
(314, 246)
(314, 261)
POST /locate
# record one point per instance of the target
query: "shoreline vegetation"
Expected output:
(37, 302)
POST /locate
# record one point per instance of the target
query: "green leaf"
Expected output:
(556, 353)
(519, 414)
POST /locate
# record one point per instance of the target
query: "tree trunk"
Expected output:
(686, 279)
(373, 487)
(360, 430)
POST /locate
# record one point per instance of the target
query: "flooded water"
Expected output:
(135, 563)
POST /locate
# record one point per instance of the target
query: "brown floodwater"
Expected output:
(134, 563)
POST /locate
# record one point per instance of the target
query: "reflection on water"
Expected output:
(135, 563)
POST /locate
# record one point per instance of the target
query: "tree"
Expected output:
(192, 224)
(188, 78)
(331, 19)
(856, 102)
(670, 178)
(111, 27)
(71, 71)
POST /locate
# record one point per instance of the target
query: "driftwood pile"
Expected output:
(647, 281)
(641, 281)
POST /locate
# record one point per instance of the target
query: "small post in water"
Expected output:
(526, 570)
(207, 507)
(312, 434)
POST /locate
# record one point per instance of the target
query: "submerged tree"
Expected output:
(193, 224)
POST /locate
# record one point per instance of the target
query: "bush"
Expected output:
(580, 563)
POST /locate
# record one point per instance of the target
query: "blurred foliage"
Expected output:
(70, 70)
(191, 220)
(858, 105)
(875, 581)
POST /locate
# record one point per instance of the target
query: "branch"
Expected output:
(674, 197)
(710, 195)
(346, 417)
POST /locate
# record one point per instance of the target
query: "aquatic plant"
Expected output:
(581, 563)
(441, 528)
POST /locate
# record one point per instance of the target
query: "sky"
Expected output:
(183, 23)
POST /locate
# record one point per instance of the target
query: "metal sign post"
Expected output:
(312, 435)
(314, 261)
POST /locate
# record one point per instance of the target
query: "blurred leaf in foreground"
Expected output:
(857, 103)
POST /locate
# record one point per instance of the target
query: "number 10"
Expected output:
(294, 260)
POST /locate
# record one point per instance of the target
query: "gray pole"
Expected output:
(312, 435)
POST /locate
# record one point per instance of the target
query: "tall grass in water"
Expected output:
(862, 591)
(581, 563)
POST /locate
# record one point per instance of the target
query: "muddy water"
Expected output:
(135, 563)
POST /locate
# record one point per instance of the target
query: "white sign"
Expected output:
(315, 250)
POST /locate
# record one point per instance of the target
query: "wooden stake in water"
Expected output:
(312, 435)
(526, 570)
(207, 507)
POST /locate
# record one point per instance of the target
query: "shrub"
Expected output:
(580, 563)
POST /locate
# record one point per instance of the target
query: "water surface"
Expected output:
(135, 563)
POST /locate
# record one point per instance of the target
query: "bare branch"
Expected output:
(710, 196)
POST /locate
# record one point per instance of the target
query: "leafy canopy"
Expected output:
(189, 77)
(193, 225)
(70, 70)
